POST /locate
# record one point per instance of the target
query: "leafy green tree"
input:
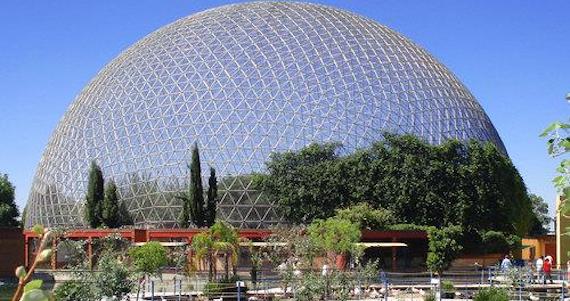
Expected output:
(111, 216)
(220, 239)
(334, 235)
(148, 260)
(193, 202)
(542, 219)
(8, 208)
(95, 196)
(558, 135)
(367, 217)
(443, 247)
(471, 184)
(212, 198)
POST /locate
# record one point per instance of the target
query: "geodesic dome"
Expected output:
(243, 81)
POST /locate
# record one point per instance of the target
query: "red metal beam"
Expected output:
(142, 235)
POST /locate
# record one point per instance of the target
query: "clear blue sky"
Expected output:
(513, 55)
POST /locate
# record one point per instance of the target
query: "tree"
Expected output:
(8, 208)
(193, 201)
(542, 220)
(148, 259)
(220, 239)
(471, 184)
(443, 247)
(334, 235)
(367, 217)
(110, 215)
(212, 198)
(558, 135)
(124, 215)
(95, 196)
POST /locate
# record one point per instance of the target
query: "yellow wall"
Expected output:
(537, 246)
(562, 241)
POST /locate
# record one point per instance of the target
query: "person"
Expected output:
(539, 269)
(547, 267)
(506, 264)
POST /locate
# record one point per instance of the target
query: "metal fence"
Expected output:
(519, 284)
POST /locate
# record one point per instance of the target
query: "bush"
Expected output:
(74, 290)
(212, 289)
(367, 217)
(334, 234)
(442, 247)
(149, 258)
(311, 287)
(492, 294)
(430, 296)
(447, 286)
(113, 278)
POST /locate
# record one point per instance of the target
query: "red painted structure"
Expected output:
(186, 235)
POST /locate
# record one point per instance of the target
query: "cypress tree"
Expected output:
(110, 212)
(196, 190)
(124, 215)
(193, 201)
(184, 218)
(95, 196)
(212, 198)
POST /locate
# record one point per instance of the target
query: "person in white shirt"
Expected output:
(539, 269)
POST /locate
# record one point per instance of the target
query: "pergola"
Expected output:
(175, 237)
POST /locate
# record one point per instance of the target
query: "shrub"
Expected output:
(492, 294)
(442, 247)
(430, 296)
(112, 278)
(149, 258)
(334, 234)
(212, 289)
(447, 286)
(367, 217)
(74, 290)
(311, 287)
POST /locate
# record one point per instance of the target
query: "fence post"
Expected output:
(562, 285)
(439, 286)
(179, 289)
(239, 292)
(490, 278)
(152, 290)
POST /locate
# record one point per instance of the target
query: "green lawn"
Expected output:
(6, 291)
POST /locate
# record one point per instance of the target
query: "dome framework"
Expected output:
(243, 81)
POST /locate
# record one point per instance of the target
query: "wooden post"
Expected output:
(54, 254)
(90, 253)
(26, 252)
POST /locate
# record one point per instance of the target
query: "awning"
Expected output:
(381, 244)
(165, 243)
(262, 244)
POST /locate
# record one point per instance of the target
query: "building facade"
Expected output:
(243, 81)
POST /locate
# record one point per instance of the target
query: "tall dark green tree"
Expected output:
(125, 216)
(193, 202)
(110, 214)
(8, 208)
(95, 196)
(212, 198)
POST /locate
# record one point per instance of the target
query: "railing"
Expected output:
(520, 284)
